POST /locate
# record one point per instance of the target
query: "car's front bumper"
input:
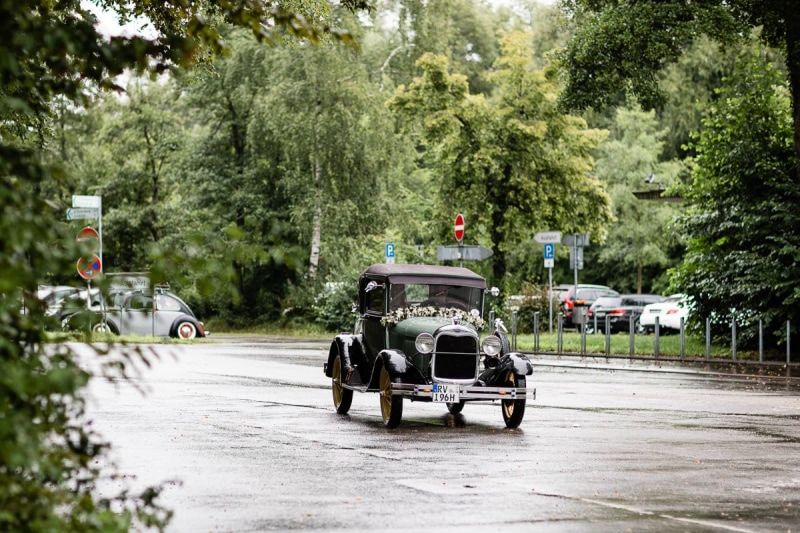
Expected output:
(466, 392)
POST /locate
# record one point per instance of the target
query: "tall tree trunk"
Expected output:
(792, 27)
(316, 229)
(154, 171)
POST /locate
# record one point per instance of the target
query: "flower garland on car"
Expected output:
(398, 315)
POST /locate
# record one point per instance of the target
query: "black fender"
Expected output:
(351, 348)
(514, 361)
(398, 365)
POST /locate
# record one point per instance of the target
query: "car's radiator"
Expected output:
(455, 357)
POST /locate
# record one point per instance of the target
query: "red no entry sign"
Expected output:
(458, 228)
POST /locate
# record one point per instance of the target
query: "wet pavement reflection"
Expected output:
(246, 438)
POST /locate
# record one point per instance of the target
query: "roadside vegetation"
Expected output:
(259, 175)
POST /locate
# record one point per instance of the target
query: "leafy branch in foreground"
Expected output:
(52, 465)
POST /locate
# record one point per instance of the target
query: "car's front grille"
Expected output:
(455, 357)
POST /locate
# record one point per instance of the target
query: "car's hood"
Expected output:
(411, 327)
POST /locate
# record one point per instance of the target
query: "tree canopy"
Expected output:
(512, 163)
(622, 45)
(53, 61)
(740, 225)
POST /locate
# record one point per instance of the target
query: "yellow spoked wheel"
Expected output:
(342, 398)
(513, 410)
(391, 406)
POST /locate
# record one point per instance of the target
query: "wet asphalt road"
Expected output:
(244, 435)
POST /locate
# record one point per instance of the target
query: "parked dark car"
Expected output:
(140, 312)
(620, 310)
(417, 338)
(585, 296)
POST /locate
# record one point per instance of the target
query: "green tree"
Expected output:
(326, 123)
(623, 45)
(512, 164)
(637, 243)
(135, 149)
(461, 30)
(231, 193)
(742, 247)
(53, 56)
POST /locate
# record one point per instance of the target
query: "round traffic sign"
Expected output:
(88, 240)
(458, 228)
(89, 268)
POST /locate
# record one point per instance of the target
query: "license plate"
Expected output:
(445, 393)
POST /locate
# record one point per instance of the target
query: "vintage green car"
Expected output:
(417, 337)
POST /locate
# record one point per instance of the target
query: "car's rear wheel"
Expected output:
(103, 327)
(186, 330)
(513, 410)
(455, 408)
(391, 406)
(342, 398)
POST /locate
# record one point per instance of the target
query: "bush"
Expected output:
(532, 300)
(332, 307)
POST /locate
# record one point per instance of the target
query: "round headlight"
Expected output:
(492, 345)
(424, 343)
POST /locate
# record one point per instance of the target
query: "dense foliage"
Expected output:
(54, 470)
(745, 182)
(512, 162)
(742, 218)
(261, 180)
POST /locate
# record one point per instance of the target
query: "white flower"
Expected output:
(398, 315)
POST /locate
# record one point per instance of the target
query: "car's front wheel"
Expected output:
(391, 406)
(342, 398)
(186, 330)
(513, 410)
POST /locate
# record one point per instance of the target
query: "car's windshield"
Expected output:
(422, 294)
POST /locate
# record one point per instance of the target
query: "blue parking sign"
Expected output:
(390, 249)
(549, 250)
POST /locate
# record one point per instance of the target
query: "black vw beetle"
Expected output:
(417, 337)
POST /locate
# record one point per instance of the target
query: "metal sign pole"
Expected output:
(100, 229)
(550, 294)
(575, 262)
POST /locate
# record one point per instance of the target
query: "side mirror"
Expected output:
(372, 285)
(494, 291)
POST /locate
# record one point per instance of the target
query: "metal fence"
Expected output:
(656, 351)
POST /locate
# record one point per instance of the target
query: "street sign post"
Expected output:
(576, 242)
(458, 227)
(86, 201)
(549, 262)
(80, 213)
(549, 251)
(462, 253)
(545, 237)
(390, 253)
(84, 207)
(576, 239)
(89, 268)
(576, 258)
(88, 240)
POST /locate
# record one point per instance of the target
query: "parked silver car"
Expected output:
(136, 312)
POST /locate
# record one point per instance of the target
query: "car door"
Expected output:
(167, 310)
(136, 316)
(373, 309)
